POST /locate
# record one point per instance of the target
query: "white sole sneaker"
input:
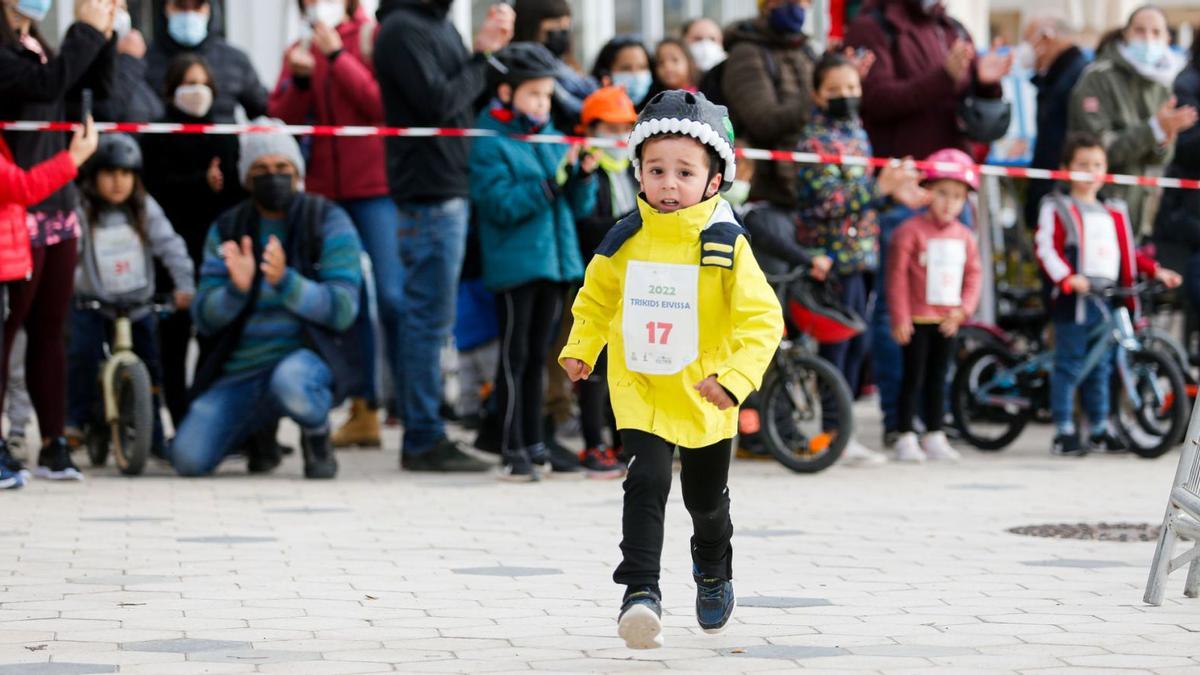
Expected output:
(65, 475)
(718, 631)
(640, 628)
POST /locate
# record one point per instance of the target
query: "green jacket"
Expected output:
(1117, 103)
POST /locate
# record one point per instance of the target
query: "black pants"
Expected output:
(595, 409)
(926, 358)
(529, 316)
(705, 494)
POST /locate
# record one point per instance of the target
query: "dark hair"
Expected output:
(829, 61)
(135, 206)
(1079, 140)
(714, 159)
(531, 14)
(351, 7)
(9, 37)
(608, 53)
(178, 68)
(693, 70)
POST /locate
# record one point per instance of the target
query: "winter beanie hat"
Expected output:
(253, 146)
(688, 114)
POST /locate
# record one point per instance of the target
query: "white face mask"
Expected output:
(194, 99)
(707, 54)
(122, 23)
(328, 12)
(739, 193)
(1025, 56)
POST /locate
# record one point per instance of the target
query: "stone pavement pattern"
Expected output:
(900, 569)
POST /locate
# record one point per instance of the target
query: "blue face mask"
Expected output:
(34, 9)
(636, 84)
(1147, 53)
(188, 28)
(787, 19)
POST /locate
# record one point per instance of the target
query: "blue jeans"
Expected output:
(1071, 346)
(222, 418)
(90, 331)
(847, 356)
(432, 242)
(887, 358)
(378, 223)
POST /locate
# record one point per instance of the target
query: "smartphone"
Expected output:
(85, 106)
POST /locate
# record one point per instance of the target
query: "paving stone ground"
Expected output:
(898, 569)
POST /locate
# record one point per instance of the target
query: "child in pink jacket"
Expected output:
(933, 275)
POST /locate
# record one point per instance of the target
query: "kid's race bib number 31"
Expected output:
(120, 259)
(660, 323)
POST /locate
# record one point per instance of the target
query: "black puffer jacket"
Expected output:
(1178, 221)
(132, 99)
(31, 90)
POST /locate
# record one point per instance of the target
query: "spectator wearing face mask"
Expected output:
(190, 27)
(1048, 49)
(132, 99)
(1125, 98)
(674, 67)
(706, 42)
(194, 178)
(1177, 226)
(549, 22)
(624, 61)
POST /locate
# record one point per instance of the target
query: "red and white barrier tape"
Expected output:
(426, 132)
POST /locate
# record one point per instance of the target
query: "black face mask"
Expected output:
(272, 191)
(558, 42)
(843, 108)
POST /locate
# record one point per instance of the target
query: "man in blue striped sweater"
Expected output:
(278, 293)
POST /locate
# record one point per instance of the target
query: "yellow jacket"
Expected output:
(740, 321)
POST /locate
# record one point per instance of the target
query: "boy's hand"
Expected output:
(953, 321)
(588, 163)
(902, 334)
(1169, 278)
(576, 370)
(714, 393)
(1078, 283)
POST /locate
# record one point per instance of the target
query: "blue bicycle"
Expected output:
(995, 393)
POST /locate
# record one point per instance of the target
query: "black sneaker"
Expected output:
(715, 602)
(640, 621)
(563, 463)
(11, 464)
(54, 462)
(319, 460)
(444, 457)
(1106, 442)
(890, 438)
(1068, 445)
(517, 467)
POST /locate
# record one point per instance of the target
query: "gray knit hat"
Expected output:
(253, 146)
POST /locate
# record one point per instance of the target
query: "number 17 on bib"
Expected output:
(661, 320)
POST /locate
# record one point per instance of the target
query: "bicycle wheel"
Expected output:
(1152, 429)
(797, 398)
(987, 425)
(133, 430)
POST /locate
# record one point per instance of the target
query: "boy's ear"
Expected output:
(505, 92)
(714, 186)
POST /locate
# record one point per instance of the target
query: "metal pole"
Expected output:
(984, 238)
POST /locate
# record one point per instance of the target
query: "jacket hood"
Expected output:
(387, 7)
(758, 32)
(1164, 74)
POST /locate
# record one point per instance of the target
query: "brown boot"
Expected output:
(361, 429)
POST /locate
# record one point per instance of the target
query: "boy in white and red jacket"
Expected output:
(1085, 243)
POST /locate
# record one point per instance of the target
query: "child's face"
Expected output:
(631, 59)
(531, 97)
(675, 173)
(114, 186)
(949, 198)
(840, 82)
(672, 67)
(1088, 160)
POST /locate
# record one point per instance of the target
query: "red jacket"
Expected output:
(19, 189)
(907, 285)
(343, 92)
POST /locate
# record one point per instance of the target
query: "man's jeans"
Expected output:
(1071, 347)
(378, 223)
(432, 241)
(222, 418)
(888, 359)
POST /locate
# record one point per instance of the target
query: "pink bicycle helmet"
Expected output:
(953, 164)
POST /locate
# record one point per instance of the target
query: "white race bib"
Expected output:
(945, 261)
(1101, 250)
(661, 318)
(120, 259)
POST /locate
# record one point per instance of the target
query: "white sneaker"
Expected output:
(908, 450)
(938, 449)
(860, 455)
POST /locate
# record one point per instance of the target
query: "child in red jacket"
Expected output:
(19, 189)
(933, 278)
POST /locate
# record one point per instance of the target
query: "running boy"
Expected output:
(691, 325)
(1085, 242)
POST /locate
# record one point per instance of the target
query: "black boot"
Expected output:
(319, 462)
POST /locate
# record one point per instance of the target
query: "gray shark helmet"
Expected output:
(690, 114)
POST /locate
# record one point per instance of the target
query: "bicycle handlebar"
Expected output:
(161, 305)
